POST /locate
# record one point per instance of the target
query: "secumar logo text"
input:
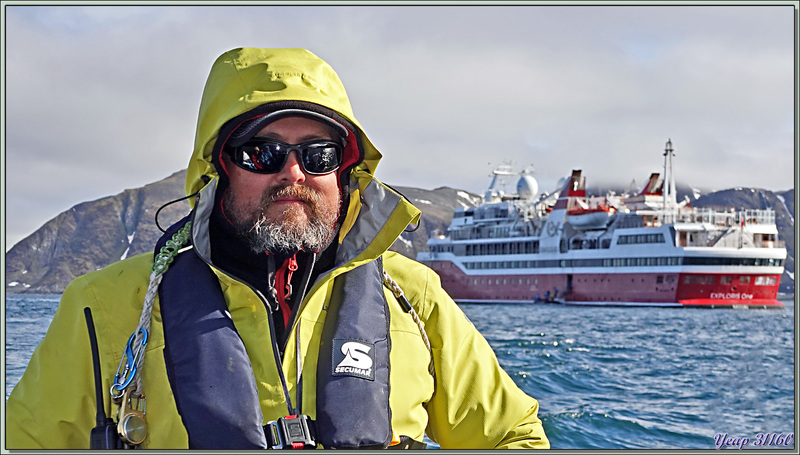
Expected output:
(353, 358)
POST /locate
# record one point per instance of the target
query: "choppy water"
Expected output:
(605, 378)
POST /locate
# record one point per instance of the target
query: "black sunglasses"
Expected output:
(264, 155)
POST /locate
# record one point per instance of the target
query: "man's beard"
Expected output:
(310, 226)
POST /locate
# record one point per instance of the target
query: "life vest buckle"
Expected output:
(291, 432)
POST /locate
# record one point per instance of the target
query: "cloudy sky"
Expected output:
(101, 99)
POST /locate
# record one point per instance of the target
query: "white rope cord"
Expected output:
(398, 292)
(144, 323)
(162, 262)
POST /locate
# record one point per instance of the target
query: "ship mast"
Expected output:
(670, 193)
(493, 194)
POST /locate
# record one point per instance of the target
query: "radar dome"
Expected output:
(527, 187)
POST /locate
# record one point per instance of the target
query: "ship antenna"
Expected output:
(670, 198)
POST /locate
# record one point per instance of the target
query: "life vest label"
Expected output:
(353, 358)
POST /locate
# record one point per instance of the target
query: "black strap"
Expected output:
(353, 367)
(219, 411)
(409, 443)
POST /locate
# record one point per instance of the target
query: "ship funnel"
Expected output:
(653, 185)
(574, 189)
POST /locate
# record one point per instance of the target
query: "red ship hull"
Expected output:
(667, 288)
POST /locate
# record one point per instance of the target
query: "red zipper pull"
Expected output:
(292, 268)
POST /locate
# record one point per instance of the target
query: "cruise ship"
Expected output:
(640, 249)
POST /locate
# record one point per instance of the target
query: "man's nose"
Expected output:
(292, 172)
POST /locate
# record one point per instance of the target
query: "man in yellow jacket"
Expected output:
(273, 315)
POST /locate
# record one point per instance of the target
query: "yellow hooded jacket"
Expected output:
(470, 402)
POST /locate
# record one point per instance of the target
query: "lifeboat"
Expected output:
(591, 217)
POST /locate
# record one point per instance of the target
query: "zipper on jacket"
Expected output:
(300, 297)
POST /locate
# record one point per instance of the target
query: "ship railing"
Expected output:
(757, 216)
(708, 215)
(770, 244)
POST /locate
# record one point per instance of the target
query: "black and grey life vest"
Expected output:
(213, 382)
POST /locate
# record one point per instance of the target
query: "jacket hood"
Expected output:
(245, 83)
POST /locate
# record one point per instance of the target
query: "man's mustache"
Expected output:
(303, 193)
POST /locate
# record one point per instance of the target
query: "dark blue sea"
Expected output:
(606, 378)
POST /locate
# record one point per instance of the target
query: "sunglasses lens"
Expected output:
(262, 158)
(321, 158)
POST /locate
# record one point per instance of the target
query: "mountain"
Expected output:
(94, 234)
(91, 235)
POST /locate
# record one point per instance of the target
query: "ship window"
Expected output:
(726, 280)
(699, 279)
(744, 279)
(660, 279)
(765, 280)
